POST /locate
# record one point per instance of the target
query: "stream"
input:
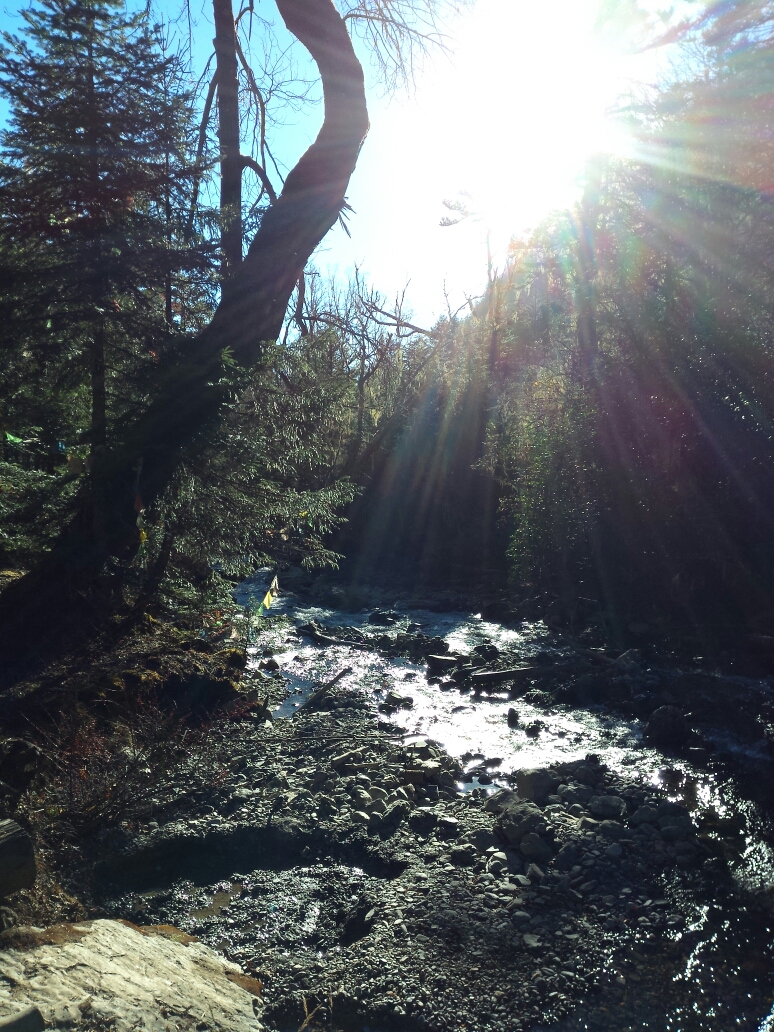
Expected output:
(725, 980)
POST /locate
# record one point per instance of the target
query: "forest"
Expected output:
(190, 402)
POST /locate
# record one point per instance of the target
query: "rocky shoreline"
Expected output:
(406, 902)
(353, 872)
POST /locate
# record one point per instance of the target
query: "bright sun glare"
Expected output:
(506, 126)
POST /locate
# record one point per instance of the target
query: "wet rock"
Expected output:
(438, 663)
(667, 728)
(383, 617)
(612, 807)
(398, 701)
(536, 784)
(487, 652)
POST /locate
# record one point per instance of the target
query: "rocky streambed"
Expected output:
(419, 848)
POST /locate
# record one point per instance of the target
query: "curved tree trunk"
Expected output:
(61, 594)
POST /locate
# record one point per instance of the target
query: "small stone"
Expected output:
(531, 941)
(614, 851)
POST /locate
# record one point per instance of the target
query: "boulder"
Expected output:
(607, 807)
(500, 800)
(536, 783)
(533, 847)
(518, 820)
(574, 793)
(644, 815)
(567, 856)
(667, 728)
(115, 975)
(613, 830)
(423, 822)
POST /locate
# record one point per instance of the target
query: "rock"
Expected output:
(567, 856)
(28, 1020)
(423, 822)
(361, 817)
(644, 815)
(614, 851)
(395, 815)
(536, 784)
(612, 830)
(399, 701)
(448, 827)
(482, 839)
(19, 762)
(520, 918)
(439, 663)
(667, 728)
(574, 793)
(675, 827)
(531, 941)
(125, 978)
(17, 859)
(513, 717)
(499, 801)
(463, 855)
(383, 618)
(533, 847)
(518, 820)
(607, 807)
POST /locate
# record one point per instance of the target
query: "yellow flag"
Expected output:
(268, 598)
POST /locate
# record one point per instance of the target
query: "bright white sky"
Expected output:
(508, 121)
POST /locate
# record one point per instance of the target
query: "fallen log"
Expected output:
(490, 678)
(17, 859)
(321, 692)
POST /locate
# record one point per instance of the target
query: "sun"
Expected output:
(506, 123)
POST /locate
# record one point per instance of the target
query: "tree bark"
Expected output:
(55, 598)
(228, 138)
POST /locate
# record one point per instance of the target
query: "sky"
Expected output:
(504, 123)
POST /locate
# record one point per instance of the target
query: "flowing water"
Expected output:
(722, 976)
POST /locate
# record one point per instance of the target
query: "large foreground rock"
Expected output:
(124, 976)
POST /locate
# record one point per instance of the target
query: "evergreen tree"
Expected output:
(92, 192)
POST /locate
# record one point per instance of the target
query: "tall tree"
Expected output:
(93, 163)
(190, 394)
